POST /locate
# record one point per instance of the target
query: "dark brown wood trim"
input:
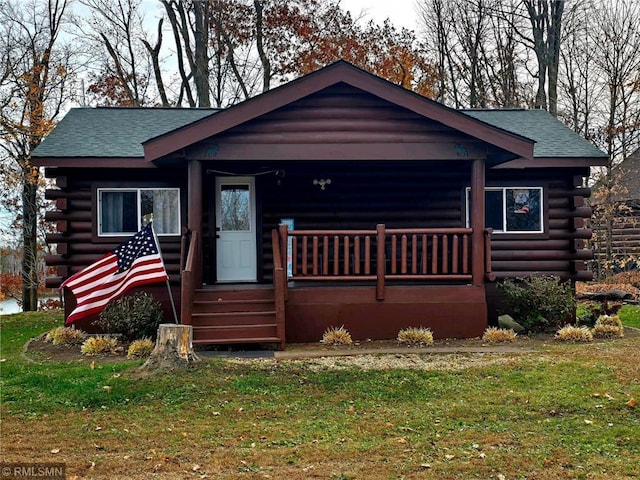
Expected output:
(553, 162)
(477, 222)
(93, 162)
(194, 209)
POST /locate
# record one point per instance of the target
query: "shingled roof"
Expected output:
(553, 138)
(114, 132)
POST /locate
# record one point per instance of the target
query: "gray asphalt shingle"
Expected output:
(120, 132)
(114, 132)
(553, 138)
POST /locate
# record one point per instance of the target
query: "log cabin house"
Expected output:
(335, 199)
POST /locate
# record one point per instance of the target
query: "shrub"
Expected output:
(608, 327)
(99, 345)
(140, 348)
(593, 311)
(499, 335)
(336, 336)
(539, 303)
(415, 336)
(133, 316)
(66, 336)
(571, 333)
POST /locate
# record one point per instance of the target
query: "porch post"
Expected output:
(477, 221)
(194, 210)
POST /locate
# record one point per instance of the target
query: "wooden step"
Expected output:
(232, 318)
(227, 333)
(234, 314)
(233, 294)
(221, 306)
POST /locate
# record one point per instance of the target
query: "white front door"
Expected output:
(236, 229)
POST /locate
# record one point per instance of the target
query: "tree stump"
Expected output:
(174, 348)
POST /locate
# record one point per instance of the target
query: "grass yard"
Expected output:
(562, 412)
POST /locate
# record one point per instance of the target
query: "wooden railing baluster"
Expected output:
(454, 257)
(336, 255)
(325, 255)
(315, 255)
(356, 255)
(445, 254)
(434, 255)
(305, 255)
(394, 254)
(403, 255)
(367, 255)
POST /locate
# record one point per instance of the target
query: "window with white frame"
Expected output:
(511, 209)
(124, 211)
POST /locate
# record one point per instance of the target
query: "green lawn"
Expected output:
(562, 412)
(630, 315)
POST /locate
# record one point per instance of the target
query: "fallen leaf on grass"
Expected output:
(588, 422)
(426, 465)
(632, 403)
(55, 450)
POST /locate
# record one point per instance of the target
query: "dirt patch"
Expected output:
(39, 350)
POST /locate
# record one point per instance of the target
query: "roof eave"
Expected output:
(554, 162)
(92, 162)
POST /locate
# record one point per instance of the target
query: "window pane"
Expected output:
(118, 212)
(523, 210)
(493, 217)
(234, 208)
(162, 207)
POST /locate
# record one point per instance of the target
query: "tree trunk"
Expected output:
(30, 241)
(174, 348)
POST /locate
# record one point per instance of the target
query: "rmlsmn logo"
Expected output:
(32, 471)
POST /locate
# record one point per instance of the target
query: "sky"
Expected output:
(402, 13)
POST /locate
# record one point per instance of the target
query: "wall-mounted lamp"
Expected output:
(322, 182)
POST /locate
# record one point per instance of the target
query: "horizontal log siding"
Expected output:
(75, 218)
(396, 194)
(561, 250)
(339, 123)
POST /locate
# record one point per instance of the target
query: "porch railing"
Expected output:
(380, 255)
(190, 271)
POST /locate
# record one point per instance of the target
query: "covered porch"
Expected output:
(373, 281)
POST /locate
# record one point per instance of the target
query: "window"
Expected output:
(511, 209)
(124, 211)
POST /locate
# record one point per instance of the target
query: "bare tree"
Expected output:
(544, 36)
(129, 63)
(34, 78)
(476, 51)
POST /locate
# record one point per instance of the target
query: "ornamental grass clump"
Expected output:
(140, 348)
(571, 333)
(415, 336)
(66, 336)
(336, 336)
(499, 335)
(608, 327)
(99, 345)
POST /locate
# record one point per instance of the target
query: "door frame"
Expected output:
(226, 180)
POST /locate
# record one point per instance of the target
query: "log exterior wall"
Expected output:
(77, 244)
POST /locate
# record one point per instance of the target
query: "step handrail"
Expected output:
(279, 287)
(188, 278)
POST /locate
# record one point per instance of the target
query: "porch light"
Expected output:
(322, 182)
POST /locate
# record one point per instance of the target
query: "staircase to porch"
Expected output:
(225, 315)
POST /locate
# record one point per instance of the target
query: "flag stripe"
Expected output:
(134, 262)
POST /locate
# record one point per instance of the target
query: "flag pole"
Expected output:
(173, 305)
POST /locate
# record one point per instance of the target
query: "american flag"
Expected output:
(134, 262)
